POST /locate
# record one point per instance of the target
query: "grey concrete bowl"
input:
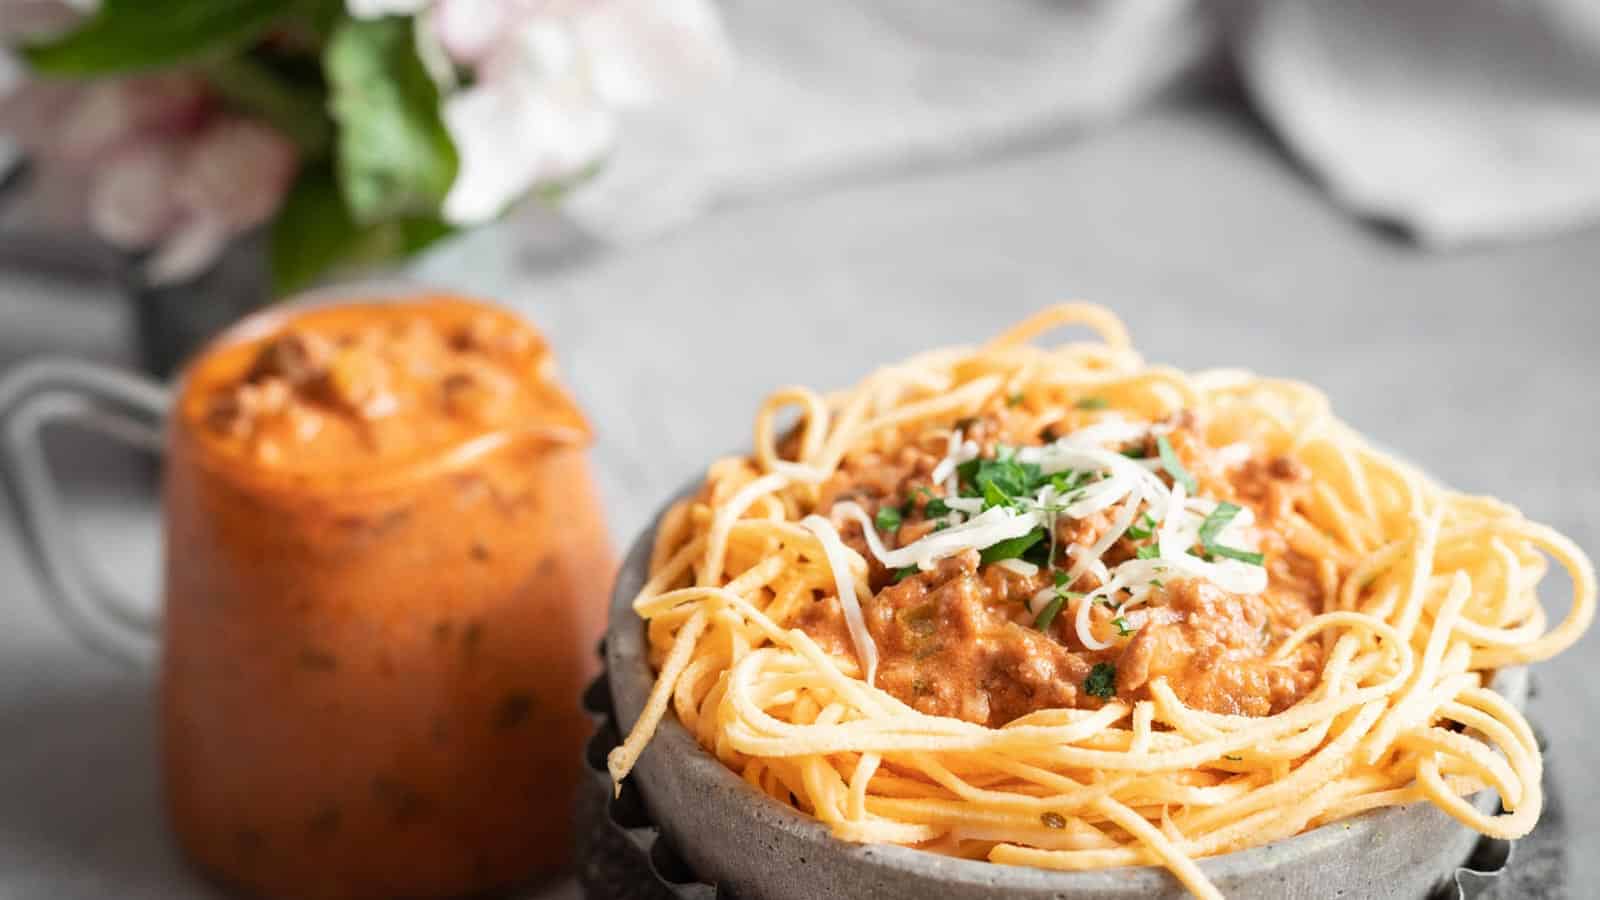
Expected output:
(730, 834)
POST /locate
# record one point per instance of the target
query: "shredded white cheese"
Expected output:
(1109, 480)
(839, 561)
(983, 530)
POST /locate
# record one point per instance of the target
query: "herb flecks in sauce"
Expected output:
(947, 629)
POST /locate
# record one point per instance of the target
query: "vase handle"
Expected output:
(118, 404)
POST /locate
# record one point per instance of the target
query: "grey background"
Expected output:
(1186, 220)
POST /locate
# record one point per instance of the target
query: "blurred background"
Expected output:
(1396, 200)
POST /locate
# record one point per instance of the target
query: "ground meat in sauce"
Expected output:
(958, 640)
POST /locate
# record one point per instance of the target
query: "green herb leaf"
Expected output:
(1102, 681)
(994, 496)
(1048, 614)
(1000, 481)
(1060, 579)
(967, 472)
(1014, 400)
(1012, 548)
(133, 35)
(1170, 462)
(888, 518)
(1122, 626)
(902, 574)
(1215, 522)
(1148, 551)
(313, 233)
(1068, 481)
(936, 507)
(1143, 528)
(1092, 403)
(394, 155)
(1244, 556)
(1134, 452)
(297, 107)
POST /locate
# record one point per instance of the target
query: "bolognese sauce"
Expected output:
(961, 638)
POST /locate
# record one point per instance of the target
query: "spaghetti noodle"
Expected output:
(1058, 608)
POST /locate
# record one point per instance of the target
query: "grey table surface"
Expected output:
(1191, 225)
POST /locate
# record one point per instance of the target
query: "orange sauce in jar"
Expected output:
(385, 576)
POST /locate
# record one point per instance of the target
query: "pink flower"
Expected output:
(549, 78)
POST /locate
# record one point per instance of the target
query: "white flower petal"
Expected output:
(188, 251)
(131, 202)
(469, 30)
(237, 173)
(638, 51)
(377, 9)
(531, 117)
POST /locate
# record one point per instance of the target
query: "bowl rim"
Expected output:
(631, 678)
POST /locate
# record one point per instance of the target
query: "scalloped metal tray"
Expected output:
(701, 796)
(623, 854)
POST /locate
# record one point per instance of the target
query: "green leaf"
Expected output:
(132, 35)
(1011, 548)
(1244, 556)
(1049, 613)
(1102, 681)
(314, 233)
(395, 158)
(888, 518)
(1092, 403)
(297, 110)
(1122, 626)
(1000, 481)
(1217, 520)
(902, 574)
(1170, 462)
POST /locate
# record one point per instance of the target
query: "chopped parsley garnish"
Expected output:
(1014, 400)
(1012, 548)
(1169, 461)
(1102, 681)
(1134, 452)
(994, 495)
(1216, 522)
(1000, 481)
(888, 518)
(1148, 551)
(1060, 579)
(1244, 556)
(1122, 626)
(1069, 481)
(1092, 403)
(1214, 525)
(1052, 609)
(936, 507)
(904, 573)
(1143, 528)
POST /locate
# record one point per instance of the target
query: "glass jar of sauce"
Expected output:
(384, 583)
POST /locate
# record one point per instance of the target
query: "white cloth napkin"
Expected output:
(1463, 121)
(1459, 120)
(835, 88)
